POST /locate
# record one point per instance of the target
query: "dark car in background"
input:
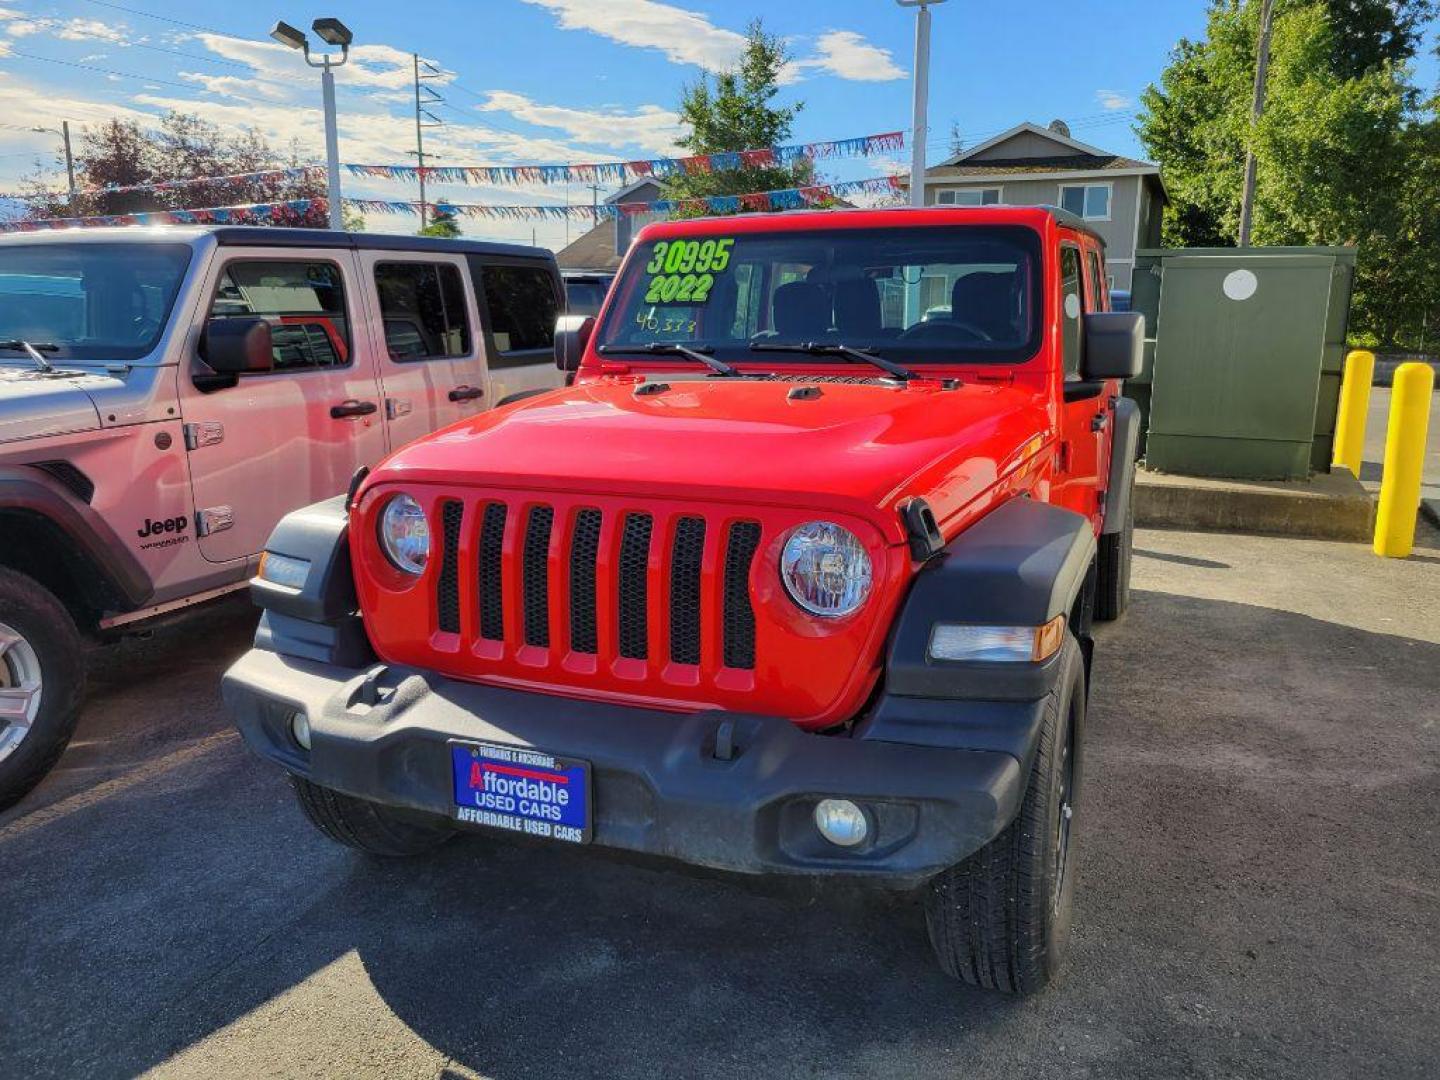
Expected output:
(585, 290)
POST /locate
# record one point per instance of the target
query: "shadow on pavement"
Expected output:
(1257, 887)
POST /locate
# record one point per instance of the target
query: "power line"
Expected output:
(124, 74)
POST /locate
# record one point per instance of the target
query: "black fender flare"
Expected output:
(1124, 449)
(521, 395)
(1023, 564)
(319, 620)
(33, 492)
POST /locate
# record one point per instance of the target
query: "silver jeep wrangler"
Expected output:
(167, 395)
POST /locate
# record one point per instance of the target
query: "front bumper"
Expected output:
(660, 784)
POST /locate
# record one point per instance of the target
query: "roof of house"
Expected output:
(1071, 156)
(594, 250)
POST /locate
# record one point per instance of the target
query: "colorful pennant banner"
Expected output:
(277, 213)
(626, 171)
(264, 176)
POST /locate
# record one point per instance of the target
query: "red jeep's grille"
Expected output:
(668, 603)
(632, 595)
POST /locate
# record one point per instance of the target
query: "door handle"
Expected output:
(466, 393)
(1099, 421)
(352, 408)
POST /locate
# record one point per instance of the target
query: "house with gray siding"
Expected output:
(1119, 197)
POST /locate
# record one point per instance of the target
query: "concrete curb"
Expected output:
(1430, 510)
(1331, 506)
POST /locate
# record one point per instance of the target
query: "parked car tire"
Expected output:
(368, 826)
(1001, 919)
(42, 682)
(1113, 562)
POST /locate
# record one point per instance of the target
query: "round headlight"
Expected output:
(825, 569)
(405, 534)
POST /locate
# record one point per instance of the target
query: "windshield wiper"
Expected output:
(34, 351)
(672, 348)
(820, 348)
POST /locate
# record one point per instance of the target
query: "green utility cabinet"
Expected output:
(1244, 358)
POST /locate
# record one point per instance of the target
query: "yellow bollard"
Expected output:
(1354, 410)
(1404, 460)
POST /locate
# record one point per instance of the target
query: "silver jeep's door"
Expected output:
(283, 439)
(424, 334)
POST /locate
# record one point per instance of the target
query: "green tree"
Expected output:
(122, 153)
(735, 109)
(1341, 150)
(443, 224)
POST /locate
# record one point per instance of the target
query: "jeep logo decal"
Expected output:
(165, 525)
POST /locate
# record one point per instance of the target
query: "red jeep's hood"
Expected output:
(859, 448)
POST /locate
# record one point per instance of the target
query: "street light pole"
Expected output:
(920, 119)
(332, 32)
(332, 149)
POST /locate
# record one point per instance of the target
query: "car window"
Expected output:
(522, 306)
(1071, 290)
(934, 295)
(304, 302)
(89, 301)
(423, 308)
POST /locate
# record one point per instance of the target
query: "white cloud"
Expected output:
(235, 85)
(686, 37)
(848, 55)
(91, 30)
(380, 66)
(16, 25)
(90, 58)
(650, 127)
(4, 48)
(1113, 100)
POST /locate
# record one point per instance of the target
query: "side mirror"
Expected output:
(238, 346)
(572, 334)
(1114, 345)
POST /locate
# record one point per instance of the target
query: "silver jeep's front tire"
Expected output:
(42, 681)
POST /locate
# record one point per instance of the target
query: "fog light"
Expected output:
(841, 822)
(300, 729)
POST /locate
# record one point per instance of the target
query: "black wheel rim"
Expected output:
(1064, 804)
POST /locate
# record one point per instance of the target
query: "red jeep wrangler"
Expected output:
(796, 578)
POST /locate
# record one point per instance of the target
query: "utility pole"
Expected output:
(922, 97)
(594, 204)
(422, 114)
(64, 132)
(1257, 110)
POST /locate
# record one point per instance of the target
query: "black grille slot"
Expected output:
(492, 542)
(583, 547)
(739, 616)
(685, 555)
(447, 585)
(634, 573)
(537, 575)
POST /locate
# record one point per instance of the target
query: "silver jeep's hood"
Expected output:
(35, 403)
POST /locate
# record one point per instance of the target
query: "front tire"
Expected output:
(42, 682)
(368, 826)
(1001, 919)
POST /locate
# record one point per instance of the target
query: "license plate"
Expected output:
(523, 790)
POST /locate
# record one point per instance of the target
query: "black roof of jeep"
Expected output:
(272, 236)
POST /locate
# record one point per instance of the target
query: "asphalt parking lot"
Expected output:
(1260, 891)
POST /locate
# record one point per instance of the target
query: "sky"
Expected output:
(549, 81)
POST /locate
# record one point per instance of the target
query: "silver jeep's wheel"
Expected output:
(21, 683)
(42, 680)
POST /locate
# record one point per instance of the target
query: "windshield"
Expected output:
(101, 302)
(961, 294)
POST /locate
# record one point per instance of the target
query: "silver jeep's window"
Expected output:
(100, 302)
